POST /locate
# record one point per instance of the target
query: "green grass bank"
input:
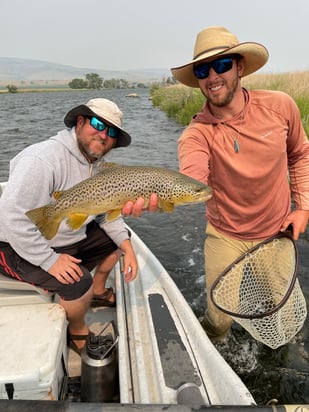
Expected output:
(181, 102)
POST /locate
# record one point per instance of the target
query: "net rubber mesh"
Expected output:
(260, 291)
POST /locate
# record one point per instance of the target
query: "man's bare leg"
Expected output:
(102, 272)
(75, 312)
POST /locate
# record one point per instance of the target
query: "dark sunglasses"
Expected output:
(220, 66)
(100, 126)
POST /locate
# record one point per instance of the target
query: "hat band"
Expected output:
(208, 50)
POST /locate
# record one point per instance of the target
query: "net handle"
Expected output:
(288, 234)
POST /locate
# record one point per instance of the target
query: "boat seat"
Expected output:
(14, 292)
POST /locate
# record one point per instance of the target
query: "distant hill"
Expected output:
(26, 70)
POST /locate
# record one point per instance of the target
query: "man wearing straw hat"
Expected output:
(243, 144)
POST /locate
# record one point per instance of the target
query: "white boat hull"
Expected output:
(165, 342)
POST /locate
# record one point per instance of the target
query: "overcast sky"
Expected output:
(139, 34)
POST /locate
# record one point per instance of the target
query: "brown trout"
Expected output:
(110, 189)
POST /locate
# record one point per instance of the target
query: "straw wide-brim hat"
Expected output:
(105, 110)
(217, 41)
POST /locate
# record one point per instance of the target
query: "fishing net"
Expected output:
(261, 292)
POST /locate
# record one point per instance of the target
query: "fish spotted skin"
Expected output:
(110, 189)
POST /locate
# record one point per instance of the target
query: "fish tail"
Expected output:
(45, 221)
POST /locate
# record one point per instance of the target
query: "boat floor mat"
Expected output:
(176, 362)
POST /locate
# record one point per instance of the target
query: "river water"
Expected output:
(176, 239)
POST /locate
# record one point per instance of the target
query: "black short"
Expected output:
(91, 250)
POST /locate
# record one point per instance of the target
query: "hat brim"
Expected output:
(70, 120)
(255, 55)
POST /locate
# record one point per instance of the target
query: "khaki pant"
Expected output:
(220, 251)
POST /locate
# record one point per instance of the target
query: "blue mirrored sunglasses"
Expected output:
(220, 66)
(100, 126)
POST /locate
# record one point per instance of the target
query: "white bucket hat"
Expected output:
(217, 41)
(104, 109)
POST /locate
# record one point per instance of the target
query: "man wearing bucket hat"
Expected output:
(63, 264)
(243, 144)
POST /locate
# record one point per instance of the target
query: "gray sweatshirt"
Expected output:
(35, 173)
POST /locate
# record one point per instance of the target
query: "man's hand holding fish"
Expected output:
(137, 208)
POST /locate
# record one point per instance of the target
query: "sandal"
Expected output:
(103, 299)
(71, 338)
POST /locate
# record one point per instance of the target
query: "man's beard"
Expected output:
(90, 153)
(227, 98)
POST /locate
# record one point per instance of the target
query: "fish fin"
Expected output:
(44, 220)
(112, 215)
(58, 194)
(166, 206)
(76, 220)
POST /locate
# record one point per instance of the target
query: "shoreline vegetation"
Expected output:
(180, 102)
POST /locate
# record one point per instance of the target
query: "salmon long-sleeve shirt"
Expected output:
(255, 163)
